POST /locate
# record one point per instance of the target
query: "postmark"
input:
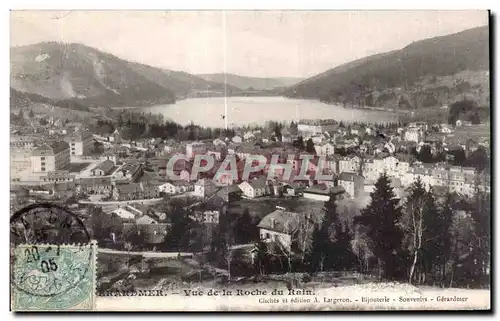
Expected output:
(53, 277)
(53, 260)
(47, 223)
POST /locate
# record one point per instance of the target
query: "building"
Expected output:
(308, 129)
(115, 137)
(103, 169)
(58, 176)
(20, 159)
(209, 212)
(422, 171)
(349, 164)
(279, 226)
(353, 184)
(81, 143)
(325, 149)
(145, 223)
(254, 188)
(94, 185)
(285, 228)
(204, 187)
(323, 194)
(195, 148)
(175, 187)
(218, 152)
(135, 191)
(248, 136)
(219, 142)
(50, 157)
(237, 139)
(128, 172)
(412, 135)
(292, 189)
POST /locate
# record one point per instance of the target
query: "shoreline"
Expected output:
(380, 109)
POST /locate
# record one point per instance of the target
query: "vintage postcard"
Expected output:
(250, 160)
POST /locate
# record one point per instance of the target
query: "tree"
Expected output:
(135, 236)
(381, 220)
(331, 241)
(21, 114)
(245, 229)
(310, 146)
(277, 131)
(299, 143)
(293, 128)
(414, 209)
(425, 154)
(478, 159)
(360, 245)
(458, 156)
(260, 258)
(481, 240)
(437, 237)
(179, 234)
(104, 226)
(460, 107)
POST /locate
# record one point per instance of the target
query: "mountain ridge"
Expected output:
(418, 71)
(251, 83)
(74, 71)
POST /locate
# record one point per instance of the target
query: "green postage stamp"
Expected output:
(53, 277)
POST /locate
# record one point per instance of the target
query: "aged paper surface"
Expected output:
(250, 160)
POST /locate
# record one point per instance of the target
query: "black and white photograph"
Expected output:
(250, 160)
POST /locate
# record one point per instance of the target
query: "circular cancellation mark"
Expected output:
(43, 265)
(47, 223)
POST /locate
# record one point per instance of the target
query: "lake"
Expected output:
(257, 110)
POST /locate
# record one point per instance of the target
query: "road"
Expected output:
(147, 254)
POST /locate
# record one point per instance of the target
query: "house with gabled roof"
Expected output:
(285, 228)
(255, 188)
(103, 169)
(352, 183)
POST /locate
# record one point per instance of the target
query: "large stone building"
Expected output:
(81, 143)
(50, 157)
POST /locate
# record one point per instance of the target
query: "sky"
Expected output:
(248, 43)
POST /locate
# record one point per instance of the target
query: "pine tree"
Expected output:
(245, 229)
(331, 241)
(436, 237)
(381, 220)
(320, 244)
(299, 143)
(310, 146)
(481, 241)
(181, 224)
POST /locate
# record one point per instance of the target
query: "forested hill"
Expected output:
(426, 73)
(71, 71)
(251, 83)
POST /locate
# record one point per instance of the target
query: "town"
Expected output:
(122, 190)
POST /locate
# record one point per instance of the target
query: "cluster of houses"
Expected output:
(129, 173)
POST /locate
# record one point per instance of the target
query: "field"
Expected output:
(260, 207)
(473, 132)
